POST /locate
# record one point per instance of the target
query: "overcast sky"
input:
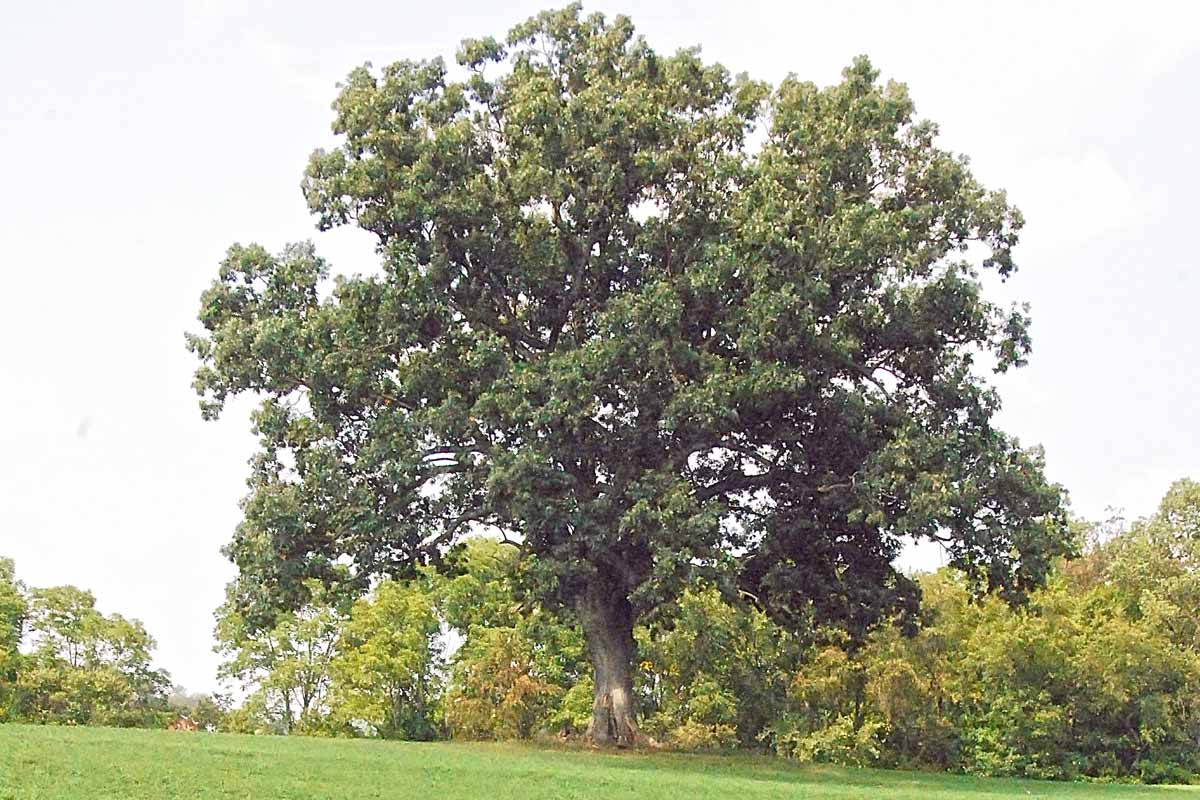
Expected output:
(138, 140)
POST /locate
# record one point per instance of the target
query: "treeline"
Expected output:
(62, 662)
(81, 667)
(1097, 675)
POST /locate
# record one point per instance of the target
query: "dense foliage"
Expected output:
(518, 665)
(286, 668)
(1097, 676)
(650, 321)
(385, 673)
(80, 667)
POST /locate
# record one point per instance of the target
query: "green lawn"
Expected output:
(96, 763)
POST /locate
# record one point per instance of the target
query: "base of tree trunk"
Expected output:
(611, 725)
(607, 620)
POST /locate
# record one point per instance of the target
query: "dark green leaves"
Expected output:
(615, 331)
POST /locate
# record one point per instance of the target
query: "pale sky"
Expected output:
(138, 140)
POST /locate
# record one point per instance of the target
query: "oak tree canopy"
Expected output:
(643, 318)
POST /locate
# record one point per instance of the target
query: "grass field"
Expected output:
(99, 763)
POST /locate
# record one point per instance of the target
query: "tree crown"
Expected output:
(643, 318)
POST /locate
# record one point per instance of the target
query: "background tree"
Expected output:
(386, 673)
(1154, 567)
(498, 688)
(712, 673)
(610, 328)
(289, 662)
(1099, 675)
(65, 623)
(88, 668)
(517, 663)
(14, 610)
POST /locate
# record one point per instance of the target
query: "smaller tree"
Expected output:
(86, 667)
(518, 663)
(712, 673)
(385, 673)
(1154, 567)
(65, 622)
(498, 689)
(14, 609)
(288, 663)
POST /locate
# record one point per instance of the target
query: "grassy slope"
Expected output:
(97, 763)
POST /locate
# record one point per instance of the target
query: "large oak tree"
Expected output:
(644, 319)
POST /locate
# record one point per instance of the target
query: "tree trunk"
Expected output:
(287, 711)
(607, 619)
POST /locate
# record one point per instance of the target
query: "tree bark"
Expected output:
(607, 619)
